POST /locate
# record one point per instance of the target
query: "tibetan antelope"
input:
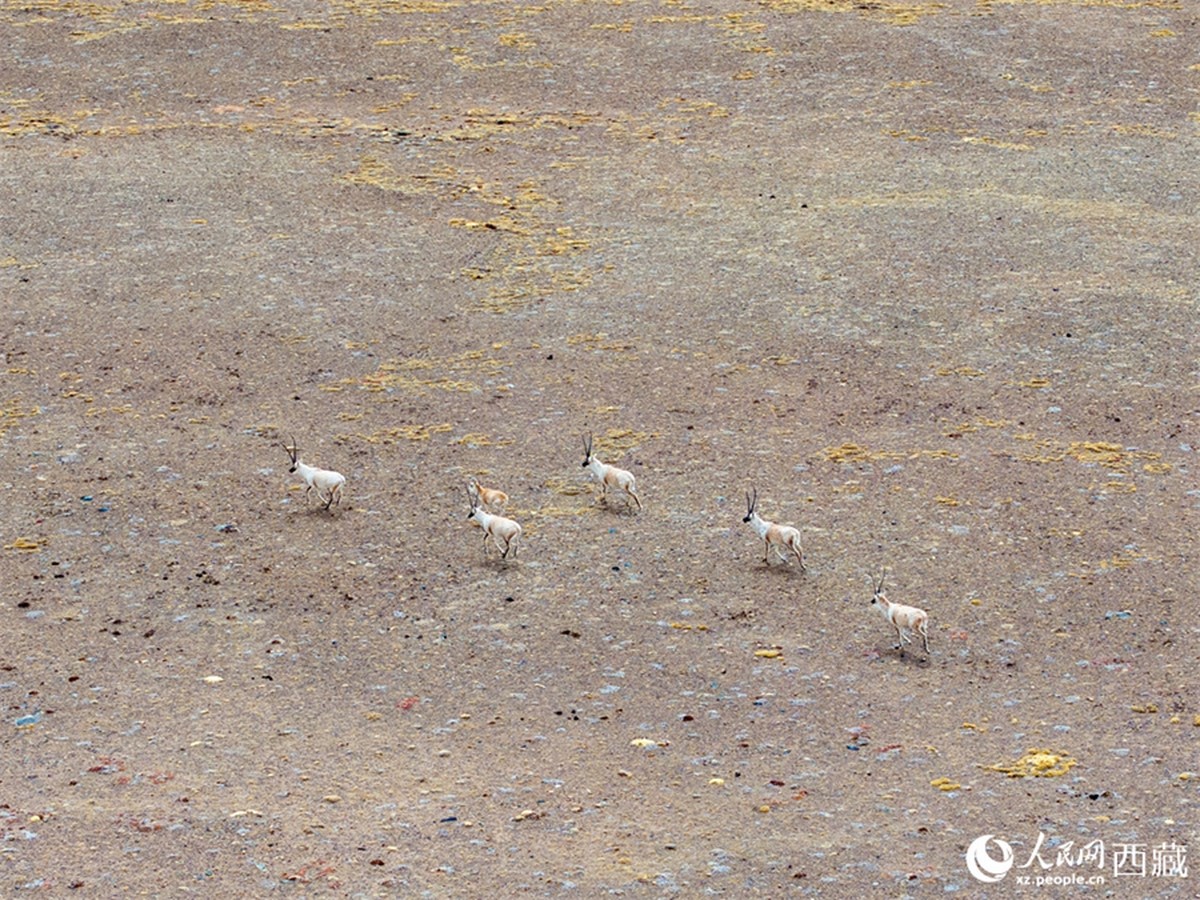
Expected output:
(496, 527)
(489, 497)
(907, 620)
(609, 476)
(774, 536)
(328, 484)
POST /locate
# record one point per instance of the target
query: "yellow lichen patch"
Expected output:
(562, 242)
(853, 453)
(927, 454)
(39, 123)
(962, 371)
(500, 299)
(945, 784)
(26, 544)
(738, 23)
(523, 265)
(395, 435)
(1102, 452)
(575, 340)
(395, 374)
(518, 40)
(895, 13)
(13, 412)
(1144, 708)
(678, 19)
(378, 174)
(550, 512)
(573, 280)
(1148, 131)
(969, 427)
(694, 107)
(688, 626)
(499, 223)
(996, 142)
(1036, 763)
(769, 653)
(481, 440)
(1035, 383)
(946, 501)
(619, 440)
(847, 453)
(567, 488)
(13, 262)
(1122, 560)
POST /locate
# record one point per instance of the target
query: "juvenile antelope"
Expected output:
(907, 620)
(496, 527)
(609, 476)
(489, 497)
(328, 484)
(774, 536)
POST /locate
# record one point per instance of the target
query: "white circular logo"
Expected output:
(980, 863)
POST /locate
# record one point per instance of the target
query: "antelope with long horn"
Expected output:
(329, 484)
(609, 476)
(776, 537)
(498, 528)
(907, 620)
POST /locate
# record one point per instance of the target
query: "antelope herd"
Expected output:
(485, 504)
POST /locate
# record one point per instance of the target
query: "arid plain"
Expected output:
(922, 274)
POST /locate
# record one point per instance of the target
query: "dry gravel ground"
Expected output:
(924, 274)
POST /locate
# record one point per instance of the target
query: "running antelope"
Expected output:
(489, 497)
(328, 484)
(609, 476)
(774, 536)
(495, 527)
(907, 620)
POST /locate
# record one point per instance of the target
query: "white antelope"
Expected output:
(907, 620)
(328, 484)
(489, 497)
(496, 527)
(609, 476)
(774, 536)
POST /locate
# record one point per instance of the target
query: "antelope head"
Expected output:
(294, 453)
(751, 503)
(878, 597)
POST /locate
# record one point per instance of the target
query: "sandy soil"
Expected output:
(922, 274)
